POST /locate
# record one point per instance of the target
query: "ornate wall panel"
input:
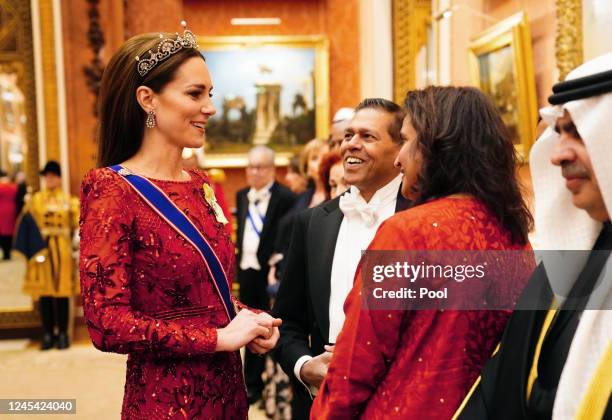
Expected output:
(85, 24)
(17, 65)
(16, 56)
(49, 79)
(95, 37)
(568, 42)
(410, 21)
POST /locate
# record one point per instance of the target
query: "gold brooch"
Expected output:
(209, 196)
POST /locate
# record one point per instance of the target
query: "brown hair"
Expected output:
(309, 148)
(327, 161)
(466, 148)
(122, 118)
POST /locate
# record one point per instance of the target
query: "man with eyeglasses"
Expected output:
(259, 209)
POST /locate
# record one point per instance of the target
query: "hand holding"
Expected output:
(245, 327)
(266, 342)
(262, 345)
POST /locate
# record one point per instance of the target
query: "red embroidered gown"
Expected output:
(147, 293)
(415, 364)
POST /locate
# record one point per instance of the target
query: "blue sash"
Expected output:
(250, 218)
(168, 211)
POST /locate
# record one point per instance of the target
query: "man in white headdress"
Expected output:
(556, 362)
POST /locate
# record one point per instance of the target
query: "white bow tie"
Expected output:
(257, 196)
(352, 206)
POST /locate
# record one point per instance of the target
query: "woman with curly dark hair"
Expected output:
(459, 166)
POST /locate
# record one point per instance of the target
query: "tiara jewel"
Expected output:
(165, 48)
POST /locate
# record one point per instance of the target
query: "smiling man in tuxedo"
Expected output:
(327, 243)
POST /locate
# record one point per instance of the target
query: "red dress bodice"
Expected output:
(147, 293)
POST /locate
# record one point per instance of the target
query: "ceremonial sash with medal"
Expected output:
(168, 211)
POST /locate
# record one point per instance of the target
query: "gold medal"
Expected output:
(209, 196)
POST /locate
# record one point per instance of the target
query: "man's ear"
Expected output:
(146, 98)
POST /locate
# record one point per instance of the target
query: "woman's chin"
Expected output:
(195, 143)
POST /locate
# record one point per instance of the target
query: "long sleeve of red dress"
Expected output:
(106, 274)
(415, 364)
(147, 293)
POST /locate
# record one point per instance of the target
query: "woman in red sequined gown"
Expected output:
(146, 290)
(458, 164)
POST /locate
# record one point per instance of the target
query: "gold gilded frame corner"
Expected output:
(28, 317)
(319, 43)
(513, 31)
(22, 62)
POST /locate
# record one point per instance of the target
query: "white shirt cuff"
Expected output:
(296, 371)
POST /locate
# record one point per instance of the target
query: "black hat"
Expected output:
(52, 167)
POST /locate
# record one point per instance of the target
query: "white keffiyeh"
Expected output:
(563, 227)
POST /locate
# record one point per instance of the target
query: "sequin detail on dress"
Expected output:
(147, 293)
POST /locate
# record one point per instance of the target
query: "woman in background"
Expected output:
(310, 158)
(294, 178)
(331, 172)
(155, 256)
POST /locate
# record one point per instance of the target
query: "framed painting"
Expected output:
(268, 90)
(501, 65)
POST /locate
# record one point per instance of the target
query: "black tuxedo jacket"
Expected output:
(281, 201)
(303, 297)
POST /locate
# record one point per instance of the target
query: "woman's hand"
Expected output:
(246, 327)
(264, 344)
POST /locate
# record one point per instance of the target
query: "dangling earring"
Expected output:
(151, 123)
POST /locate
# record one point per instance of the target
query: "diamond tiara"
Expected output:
(165, 49)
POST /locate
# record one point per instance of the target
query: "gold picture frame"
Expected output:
(501, 64)
(221, 152)
(18, 54)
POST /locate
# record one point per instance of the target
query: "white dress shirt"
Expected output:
(359, 225)
(256, 214)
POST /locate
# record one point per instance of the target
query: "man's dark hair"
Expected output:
(390, 107)
(466, 148)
